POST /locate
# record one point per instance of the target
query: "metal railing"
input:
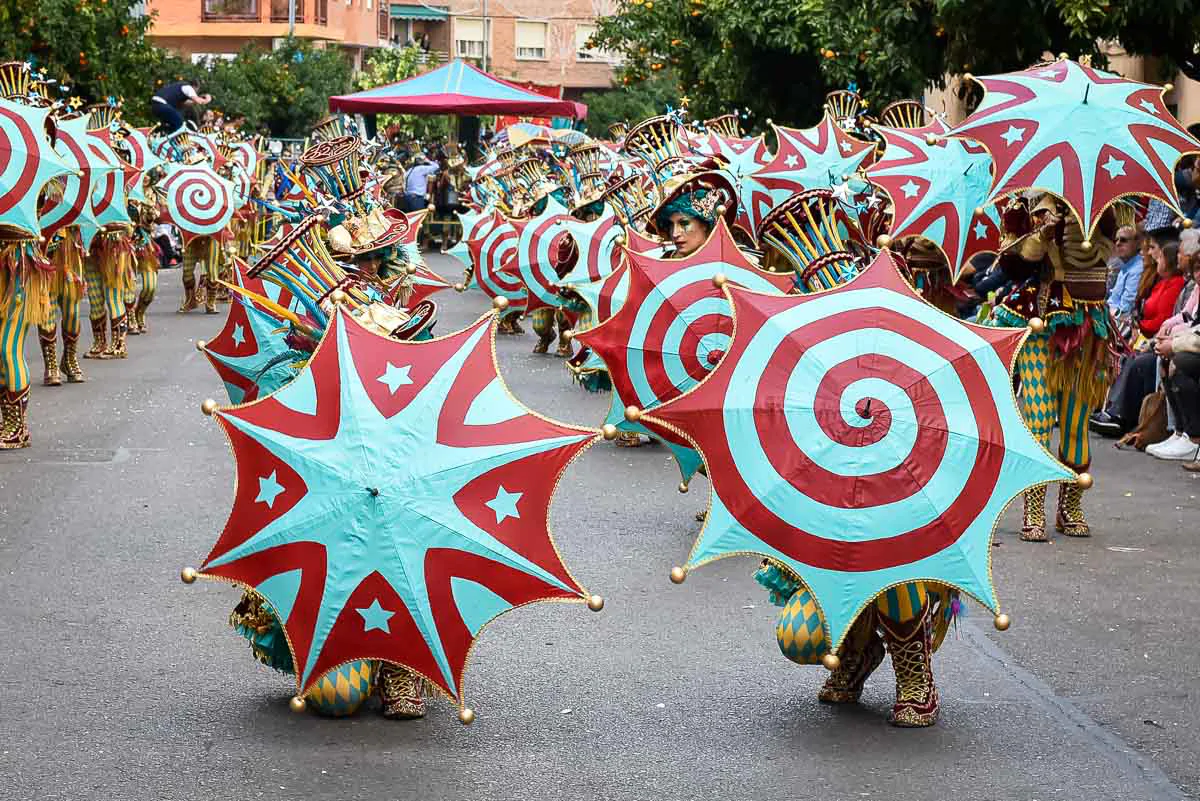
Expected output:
(279, 10)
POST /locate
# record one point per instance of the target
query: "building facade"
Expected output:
(220, 28)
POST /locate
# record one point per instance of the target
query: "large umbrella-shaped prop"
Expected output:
(424, 280)
(196, 200)
(475, 224)
(391, 501)
(1088, 136)
(135, 150)
(671, 330)
(939, 189)
(27, 163)
(74, 205)
(599, 243)
(539, 242)
(492, 256)
(862, 438)
(813, 158)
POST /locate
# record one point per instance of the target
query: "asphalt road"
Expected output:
(120, 683)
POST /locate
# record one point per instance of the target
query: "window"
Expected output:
(531, 40)
(321, 11)
(469, 37)
(229, 9)
(383, 19)
(279, 10)
(583, 49)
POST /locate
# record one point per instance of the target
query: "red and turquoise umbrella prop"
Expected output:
(74, 207)
(599, 244)
(27, 163)
(862, 438)
(671, 330)
(540, 243)
(475, 225)
(493, 256)
(196, 200)
(392, 500)
(1088, 136)
(939, 189)
(250, 352)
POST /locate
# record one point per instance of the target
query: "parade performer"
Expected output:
(145, 264)
(1070, 357)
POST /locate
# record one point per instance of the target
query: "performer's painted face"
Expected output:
(687, 233)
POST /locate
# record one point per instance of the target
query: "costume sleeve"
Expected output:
(1125, 292)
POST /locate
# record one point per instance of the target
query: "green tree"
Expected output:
(391, 65)
(96, 48)
(630, 103)
(778, 57)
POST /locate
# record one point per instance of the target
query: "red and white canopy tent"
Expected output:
(456, 88)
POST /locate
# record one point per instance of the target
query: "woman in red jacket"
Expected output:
(1160, 303)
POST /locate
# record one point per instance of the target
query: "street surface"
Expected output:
(119, 683)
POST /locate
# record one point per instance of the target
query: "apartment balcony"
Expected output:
(230, 10)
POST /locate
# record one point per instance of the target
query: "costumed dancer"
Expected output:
(203, 253)
(67, 289)
(813, 233)
(145, 264)
(1071, 355)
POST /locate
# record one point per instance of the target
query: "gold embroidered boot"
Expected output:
(99, 339)
(189, 301)
(402, 693)
(861, 653)
(51, 377)
(1070, 520)
(911, 647)
(116, 349)
(1033, 519)
(14, 430)
(70, 360)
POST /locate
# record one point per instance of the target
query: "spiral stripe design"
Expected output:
(18, 159)
(883, 400)
(76, 195)
(108, 193)
(681, 331)
(602, 256)
(198, 200)
(538, 242)
(496, 251)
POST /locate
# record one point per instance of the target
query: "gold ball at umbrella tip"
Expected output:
(831, 661)
(188, 575)
(201, 344)
(1002, 622)
(460, 287)
(883, 241)
(298, 704)
(466, 716)
(595, 603)
(431, 208)
(979, 210)
(338, 297)
(721, 209)
(770, 121)
(968, 76)
(683, 487)
(609, 431)
(633, 414)
(1168, 87)
(208, 406)
(719, 280)
(678, 574)
(567, 336)
(499, 303)
(1037, 325)
(1187, 222)
(1084, 481)
(1086, 244)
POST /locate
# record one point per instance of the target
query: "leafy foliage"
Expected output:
(629, 103)
(96, 48)
(390, 65)
(779, 57)
(286, 90)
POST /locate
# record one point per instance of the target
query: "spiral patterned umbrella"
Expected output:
(672, 330)
(74, 207)
(197, 200)
(475, 225)
(938, 188)
(135, 151)
(109, 202)
(1086, 135)
(598, 241)
(862, 438)
(27, 164)
(539, 241)
(492, 256)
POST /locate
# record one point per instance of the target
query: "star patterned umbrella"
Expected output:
(1088, 136)
(27, 163)
(392, 500)
(814, 158)
(938, 188)
(247, 352)
(671, 330)
(740, 159)
(862, 438)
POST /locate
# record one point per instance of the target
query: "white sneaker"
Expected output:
(1181, 448)
(1153, 450)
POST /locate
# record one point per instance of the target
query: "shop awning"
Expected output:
(402, 11)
